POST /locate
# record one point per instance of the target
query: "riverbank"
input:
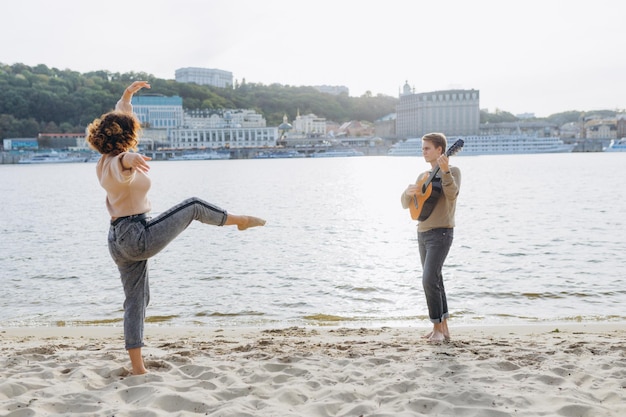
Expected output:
(548, 369)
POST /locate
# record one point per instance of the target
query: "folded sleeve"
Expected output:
(124, 106)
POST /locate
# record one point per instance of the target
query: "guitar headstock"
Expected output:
(457, 146)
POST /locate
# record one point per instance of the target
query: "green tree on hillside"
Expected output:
(67, 100)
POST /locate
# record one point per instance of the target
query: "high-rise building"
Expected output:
(158, 112)
(205, 76)
(452, 112)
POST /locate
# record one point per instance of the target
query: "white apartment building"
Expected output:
(165, 121)
(214, 138)
(308, 125)
(601, 129)
(205, 76)
(452, 112)
(223, 118)
(158, 112)
(167, 124)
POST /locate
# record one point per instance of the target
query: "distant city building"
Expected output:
(332, 128)
(223, 118)
(453, 112)
(153, 139)
(205, 76)
(601, 129)
(539, 129)
(309, 125)
(385, 127)
(570, 130)
(20, 144)
(62, 141)
(355, 128)
(214, 138)
(158, 112)
(332, 89)
(167, 124)
(621, 126)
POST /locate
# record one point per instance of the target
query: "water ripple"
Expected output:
(337, 248)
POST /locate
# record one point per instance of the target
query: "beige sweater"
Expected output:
(443, 213)
(126, 189)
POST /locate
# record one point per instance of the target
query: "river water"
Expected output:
(539, 238)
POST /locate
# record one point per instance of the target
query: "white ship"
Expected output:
(489, 145)
(337, 153)
(616, 146)
(52, 158)
(201, 156)
(279, 154)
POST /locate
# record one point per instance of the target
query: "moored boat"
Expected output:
(201, 156)
(337, 153)
(279, 154)
(490, 145)
(52, 158)
(616, 146)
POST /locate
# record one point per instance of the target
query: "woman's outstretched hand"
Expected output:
(135, 160)
(136, 86)
(133, 88)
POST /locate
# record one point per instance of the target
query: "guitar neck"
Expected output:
(430, 178)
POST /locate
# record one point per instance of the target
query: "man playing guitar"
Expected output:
(435, 232)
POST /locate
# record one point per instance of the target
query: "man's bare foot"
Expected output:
(247, 222)
(430, 334)
(437, 337)
(446, 332)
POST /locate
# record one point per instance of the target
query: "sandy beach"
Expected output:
(531, 370)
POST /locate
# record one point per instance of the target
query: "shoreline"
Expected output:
(165, 331)
(503, 370)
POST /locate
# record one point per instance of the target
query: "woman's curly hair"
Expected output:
(114, 133)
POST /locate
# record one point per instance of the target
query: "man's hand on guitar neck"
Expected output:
(442, 161)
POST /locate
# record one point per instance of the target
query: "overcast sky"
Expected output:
(536, 56)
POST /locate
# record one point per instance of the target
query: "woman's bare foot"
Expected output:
(249, 221)
(139, 371)
(136, 361)
(243, 222)
(427, 335)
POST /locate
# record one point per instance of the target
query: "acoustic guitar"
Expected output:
(424, 201)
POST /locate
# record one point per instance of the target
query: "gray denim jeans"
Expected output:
(135, 239)
(434, 246)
